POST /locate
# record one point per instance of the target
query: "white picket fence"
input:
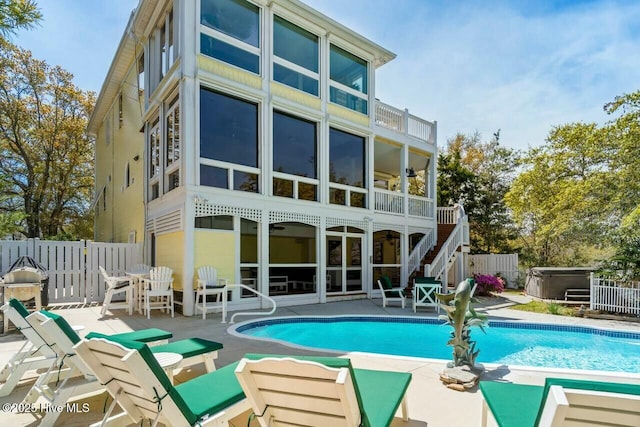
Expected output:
(505, 264)
(615, 296)
(72, 266)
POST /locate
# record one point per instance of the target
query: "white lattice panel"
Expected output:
(337, 222)
(209, 209)
(313, 220)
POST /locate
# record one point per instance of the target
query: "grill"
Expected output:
(27, 270)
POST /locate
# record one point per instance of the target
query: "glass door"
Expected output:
(344, 263)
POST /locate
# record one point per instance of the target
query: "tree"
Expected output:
(17, 14)
(580, 188)
(478, 174)
(46, 160)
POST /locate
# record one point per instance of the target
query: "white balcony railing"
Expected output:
(420, 206)
(401, 121)
(389, 202)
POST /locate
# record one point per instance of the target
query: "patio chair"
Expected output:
(320, 391)
(137, 383)
(561, 402)
(424, 292)
(34, 353)
(209, 285)
(116, 285)
(389, 293)
(158, 286)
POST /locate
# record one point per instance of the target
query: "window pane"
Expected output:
(294, 145)
(214, 177)
(294, 44)
(292, 243)
(282, 187)
(220, 222)
(294, 79)
(236, 18)
(337, 196)
(357, 200)
(174, 181)
(346, 158)
(228, 129)
(248, 242)
(243, 181)
(307, 192)
(229, 54)
(348, 100)
(348, 69)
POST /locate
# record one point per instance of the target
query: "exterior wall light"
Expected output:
(411, 173)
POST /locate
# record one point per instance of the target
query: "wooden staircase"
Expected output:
(444, 231)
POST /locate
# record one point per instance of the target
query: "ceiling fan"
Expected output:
(273, 227)
(390, 237)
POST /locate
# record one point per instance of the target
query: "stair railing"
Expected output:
(458, 237)
(244, 313)
(423, 247)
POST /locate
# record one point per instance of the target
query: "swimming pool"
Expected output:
(509, 343)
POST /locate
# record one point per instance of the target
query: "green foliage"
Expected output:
(478, 174)
(578, 190)
(16, 14)
(46, 160)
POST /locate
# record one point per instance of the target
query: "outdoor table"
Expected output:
(137, 281)
(168, 361)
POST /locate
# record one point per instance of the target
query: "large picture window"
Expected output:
(230, 32)
(347, 160)
(228, 129)
(349, 81)
(172, 144)
(295, 56)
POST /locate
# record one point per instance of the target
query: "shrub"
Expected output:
(488, 283)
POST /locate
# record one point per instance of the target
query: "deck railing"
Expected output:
(389, 202)
(615, 296)
(401, 121)
(420, 206)
(425, 244)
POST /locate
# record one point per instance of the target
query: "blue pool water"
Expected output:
(509, 343)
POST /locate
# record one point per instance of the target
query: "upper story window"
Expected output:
(295, 147)
(161, 48)
(140, 66)
(154, 160)
(349, 82)
(230, 32)
(295, 61)
(228, 142)
(347, 173)
(172, 143)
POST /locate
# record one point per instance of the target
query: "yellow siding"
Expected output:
(170, 252)
(347, 114)
(216, 248)
(232, 73)
(298, 96)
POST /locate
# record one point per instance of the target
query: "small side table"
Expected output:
(168, 361)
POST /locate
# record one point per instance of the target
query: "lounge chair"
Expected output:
(320, 391)
(59, 335)
(139, 385)
(389, 293)
(561, 402)
(34, 353)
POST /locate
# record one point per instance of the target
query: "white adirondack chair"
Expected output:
(159, 287)
(209, 284)
(116, 285)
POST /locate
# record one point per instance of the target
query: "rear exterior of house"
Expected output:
(246, 134)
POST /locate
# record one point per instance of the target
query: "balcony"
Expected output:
(393, 202)
(401, 121)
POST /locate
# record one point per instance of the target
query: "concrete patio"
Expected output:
(430, 403)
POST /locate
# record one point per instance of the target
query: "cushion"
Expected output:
(63, 325)
(19, 307)
(188, 347)
(386, 282)
(512, 405)
(209, 393)
(426, 280)
(394, 293)
(144, 335)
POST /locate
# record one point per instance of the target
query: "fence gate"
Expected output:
(73, 266)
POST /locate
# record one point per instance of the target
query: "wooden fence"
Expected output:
(505, 264)
(72, 266)
(615, 296)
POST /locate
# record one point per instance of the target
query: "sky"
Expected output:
(473, 66)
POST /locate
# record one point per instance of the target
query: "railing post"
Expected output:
(405, 121)
(592, 290)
